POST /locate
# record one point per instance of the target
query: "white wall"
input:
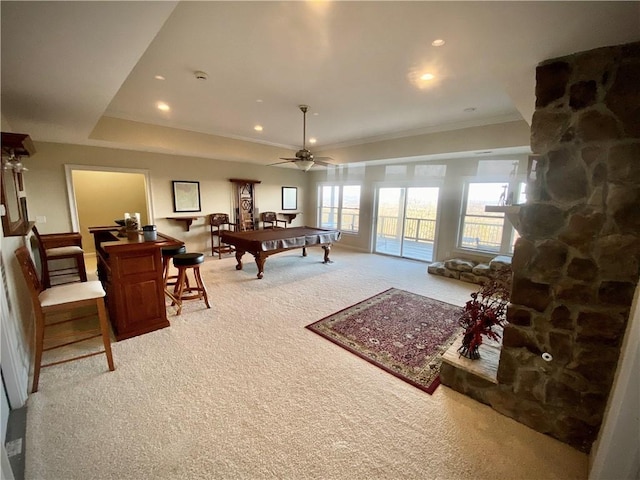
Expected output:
(16, 326)
(616, 453)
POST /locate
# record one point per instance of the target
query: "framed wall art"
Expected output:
(186, 196)
(289, 198)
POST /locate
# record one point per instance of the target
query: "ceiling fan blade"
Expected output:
(286, 160)
(323, 163)
(304, 158)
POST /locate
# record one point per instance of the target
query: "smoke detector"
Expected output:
(200, 75)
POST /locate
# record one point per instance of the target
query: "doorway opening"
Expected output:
(99, 196)
(407, 222)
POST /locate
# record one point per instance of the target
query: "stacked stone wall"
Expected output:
(577, 263)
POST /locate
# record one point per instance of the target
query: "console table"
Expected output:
(131, 273)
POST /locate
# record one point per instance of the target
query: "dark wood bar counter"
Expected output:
(131, 273)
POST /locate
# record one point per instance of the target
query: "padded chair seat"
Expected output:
(59, 251)
(171, 251)
(75, 292)
(188, 259)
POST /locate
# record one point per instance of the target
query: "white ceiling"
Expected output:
(69, 67)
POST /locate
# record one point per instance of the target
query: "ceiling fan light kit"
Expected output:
(304, 165)
(304, 159)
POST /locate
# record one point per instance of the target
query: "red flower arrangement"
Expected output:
(486, 309)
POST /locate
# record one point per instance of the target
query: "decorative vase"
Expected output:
(468, 351)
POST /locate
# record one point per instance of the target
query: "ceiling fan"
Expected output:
(304, 159)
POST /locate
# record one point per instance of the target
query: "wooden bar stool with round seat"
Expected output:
(167, 254)
(182, 290)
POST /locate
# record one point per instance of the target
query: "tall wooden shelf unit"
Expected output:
(245, 204)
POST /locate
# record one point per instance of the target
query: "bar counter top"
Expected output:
(107, 239)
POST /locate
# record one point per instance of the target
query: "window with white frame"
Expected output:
(339, 207)
(487, 231)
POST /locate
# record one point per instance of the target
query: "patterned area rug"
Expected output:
(400, 332)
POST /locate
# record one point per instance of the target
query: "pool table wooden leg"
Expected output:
(304, 251)
(327, 249)
(239, 254)
(260, 259)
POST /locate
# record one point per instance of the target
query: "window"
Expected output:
(339, 207)
(482, 230)
(487, 231)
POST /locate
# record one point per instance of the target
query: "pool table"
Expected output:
(262, 243)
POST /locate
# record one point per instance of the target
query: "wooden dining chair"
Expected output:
(58, 299)
(217, 223)
(271, 218)
(61, 246)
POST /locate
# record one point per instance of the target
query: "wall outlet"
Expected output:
(41, 219)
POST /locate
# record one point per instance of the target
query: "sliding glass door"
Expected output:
(406, 222)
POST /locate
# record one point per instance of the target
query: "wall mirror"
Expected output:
(14, 220)
(289, 198)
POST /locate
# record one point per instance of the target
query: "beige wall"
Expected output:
(47, 191)
(102, 197)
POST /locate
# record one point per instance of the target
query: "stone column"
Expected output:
(577, 264)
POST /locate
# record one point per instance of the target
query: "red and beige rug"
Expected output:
(398, 331)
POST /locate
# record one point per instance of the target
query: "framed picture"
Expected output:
(289, 198)
(186, 196)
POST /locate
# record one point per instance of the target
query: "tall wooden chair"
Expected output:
(61, 246)
(217, 223)
(63, 298)
(271, 220)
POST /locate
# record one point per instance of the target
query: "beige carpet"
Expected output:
(244, 391)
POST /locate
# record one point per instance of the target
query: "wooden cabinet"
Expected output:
(245, 204)
(131, 272)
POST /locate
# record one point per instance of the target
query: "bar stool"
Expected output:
(183, 262)
(167, 254)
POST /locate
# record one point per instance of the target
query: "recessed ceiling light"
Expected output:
(470, 109)
(313, 140)
(427, 76)
(163, 106)
(258, 128)
(159, 77)
(259, 100)
(315, 114)
(438, 42)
